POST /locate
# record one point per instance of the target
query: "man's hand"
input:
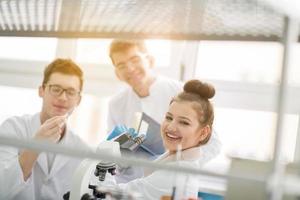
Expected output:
(51, 130)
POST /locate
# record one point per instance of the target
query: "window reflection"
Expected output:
(96, 51)
(240, 61)
(88, 119)
(23, 48)
(250, 134)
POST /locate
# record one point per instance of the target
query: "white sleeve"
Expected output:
(159, 183)
(145, 188)
(150, 187)
(11, 181)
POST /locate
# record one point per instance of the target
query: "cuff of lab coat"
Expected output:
(13, 181)
(19, 174)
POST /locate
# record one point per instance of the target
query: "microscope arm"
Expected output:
(82, 178)
(84, 174)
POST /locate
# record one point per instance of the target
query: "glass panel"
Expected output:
(294, 75)
(239, 61)
(96, 51)
(93, 51)
(250, 134)
(244, 133)
(22, 48)
(161, 50)
(11, 105)
(88, 119)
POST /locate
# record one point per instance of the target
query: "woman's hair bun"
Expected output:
(203, 89)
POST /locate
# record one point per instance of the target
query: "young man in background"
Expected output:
(146, 92)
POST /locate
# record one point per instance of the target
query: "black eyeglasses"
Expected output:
(57, 90)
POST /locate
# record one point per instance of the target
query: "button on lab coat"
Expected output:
(41, 184)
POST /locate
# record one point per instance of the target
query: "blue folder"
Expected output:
(152, 146)
(153, 143)
(209, 196)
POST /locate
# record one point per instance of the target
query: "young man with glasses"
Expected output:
(147, 92)
(42, 175)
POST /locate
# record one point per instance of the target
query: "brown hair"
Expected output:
(119, 45)
(63, 66)
(199, 93)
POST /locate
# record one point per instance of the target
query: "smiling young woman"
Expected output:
(190, 117)
(188, 123)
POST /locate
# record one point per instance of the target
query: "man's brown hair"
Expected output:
(119, 45)
(63, 66)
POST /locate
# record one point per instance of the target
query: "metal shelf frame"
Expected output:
(182, 20)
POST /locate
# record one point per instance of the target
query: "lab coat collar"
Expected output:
(59, 160)
(192, 154)
(152, 89)
(41, 160)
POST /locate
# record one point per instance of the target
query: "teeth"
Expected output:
(172, 136)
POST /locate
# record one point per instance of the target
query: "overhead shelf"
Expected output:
(172, 19)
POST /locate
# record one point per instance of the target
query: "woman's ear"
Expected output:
(79, 100)
(204, 134)
(41, 91)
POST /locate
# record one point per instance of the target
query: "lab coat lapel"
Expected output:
(191, 154)
(42, 159)
(61, 160)
(42, 162)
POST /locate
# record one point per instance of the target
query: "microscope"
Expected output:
(129, 143)
(102, 168)
(88, 179)
(87, 182)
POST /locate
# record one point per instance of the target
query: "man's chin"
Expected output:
(59, 113)
(135, 82)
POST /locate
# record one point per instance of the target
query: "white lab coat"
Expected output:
(161, 182)
(124, 105)
(41, 184)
